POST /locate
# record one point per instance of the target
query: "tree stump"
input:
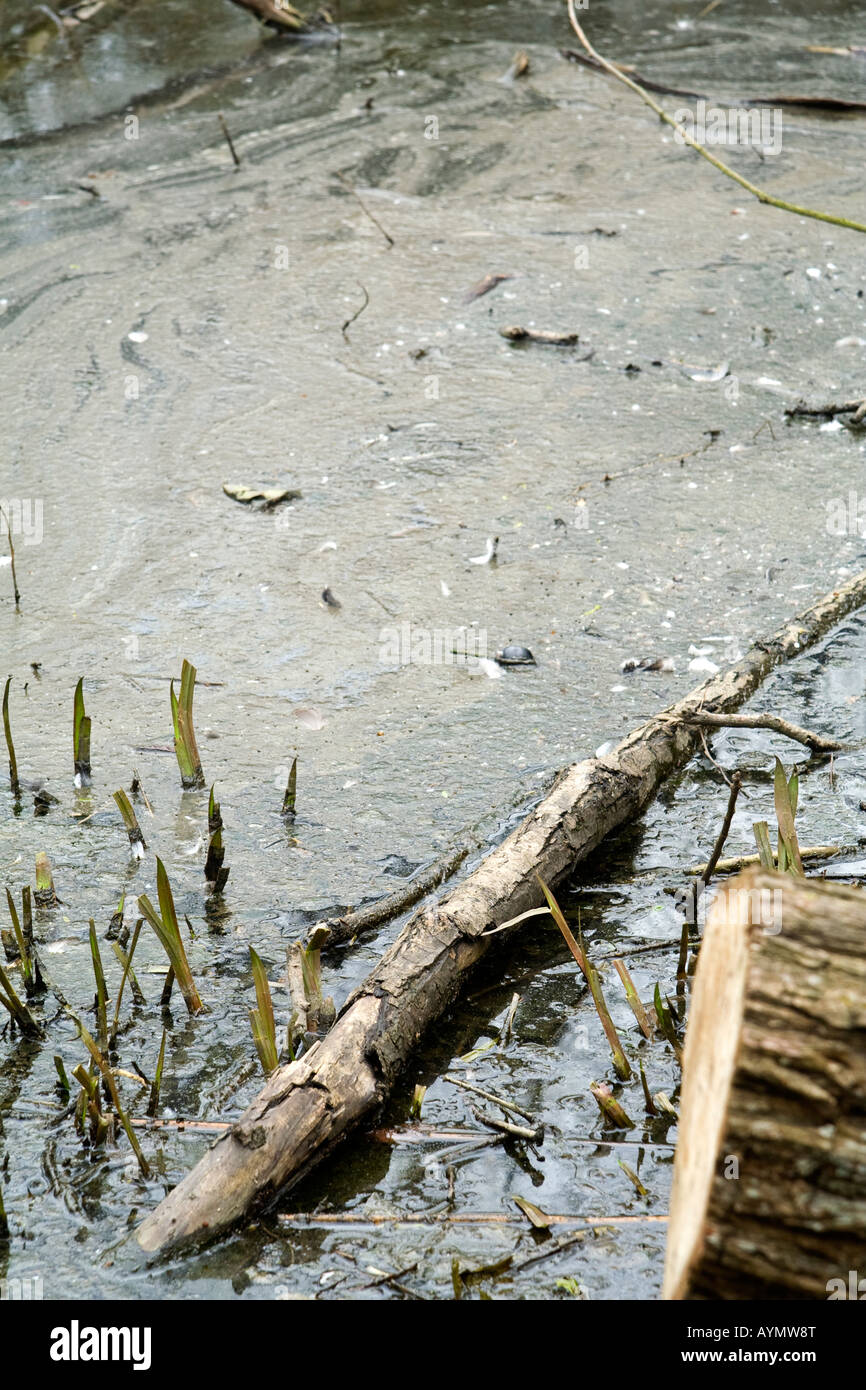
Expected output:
(769, 1191)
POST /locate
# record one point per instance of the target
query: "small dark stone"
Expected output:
(515, 655)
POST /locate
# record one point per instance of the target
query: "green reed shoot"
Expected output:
(214, 812)
(262, 1018)
(591, 975)
(128, 974)
(786, 795)
(62, 1082)
(108, 1078)
(156, 1084)
(289, 796)
(90, 1105)
(165, 925)
(185, 745)
(80, 737)
(7, 729)
(45, 895)
(417, 1102)
(130, 820)
(101, 1003)
(214, 872)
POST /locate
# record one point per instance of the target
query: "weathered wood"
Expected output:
(307, 1107)
(770, 1169)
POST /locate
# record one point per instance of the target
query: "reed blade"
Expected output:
(7, 729)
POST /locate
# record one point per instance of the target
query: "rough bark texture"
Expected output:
(769, 1194)
(306, 1107)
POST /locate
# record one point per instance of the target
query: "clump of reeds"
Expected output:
(7, 729)
(185, 745)
(311, 1012)
(80, 738)
(102, 1124)
(165, 924)
(44, 895)
(214, 872)
(591, 975)
(130, 820)
(262, 1017)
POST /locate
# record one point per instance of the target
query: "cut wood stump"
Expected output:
(769, 1192)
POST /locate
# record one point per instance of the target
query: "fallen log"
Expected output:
(770, 1167)
(308, 1107)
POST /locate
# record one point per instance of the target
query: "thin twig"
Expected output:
(354, 192)
(357, 314)
(723, 833)
(225, 130)
(12, 559)
(752, 188)
(816, 743)
(488, 1095)
(457, 1218)
(534, 1136)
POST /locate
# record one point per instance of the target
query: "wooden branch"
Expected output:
(816, 742)
(693, 144)
(306, 1108)
(767, 1197)
(744, 861)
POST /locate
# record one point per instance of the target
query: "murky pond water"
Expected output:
(170, 324)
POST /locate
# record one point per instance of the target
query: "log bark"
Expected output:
(307, 1107)
(770, 1170)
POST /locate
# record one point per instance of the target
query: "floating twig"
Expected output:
(533, 1136)
(759, 193)
(358, 312)
(856, 409)
(506, 1105)
(515, 334)
(742, 861)
(366, 211)
(228, 139)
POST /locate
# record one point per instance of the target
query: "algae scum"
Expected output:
(303, 325)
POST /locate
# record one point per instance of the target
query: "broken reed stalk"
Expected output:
(609, 1106)
(189, 762)
(130, 820)
(306, 1108)
(228, 139)
(108, 1078)
(17, 1010)
(80, 738)
(165, 924)
(12, 561)
(262, 1018)
(214, 872)
(7, 729)
(634, 999)
(693, 144)
(785, 795)
(290, 793)
(44, 896)
(620, 1061)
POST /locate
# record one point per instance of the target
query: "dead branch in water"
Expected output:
(817, 743)
(309, 1107)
